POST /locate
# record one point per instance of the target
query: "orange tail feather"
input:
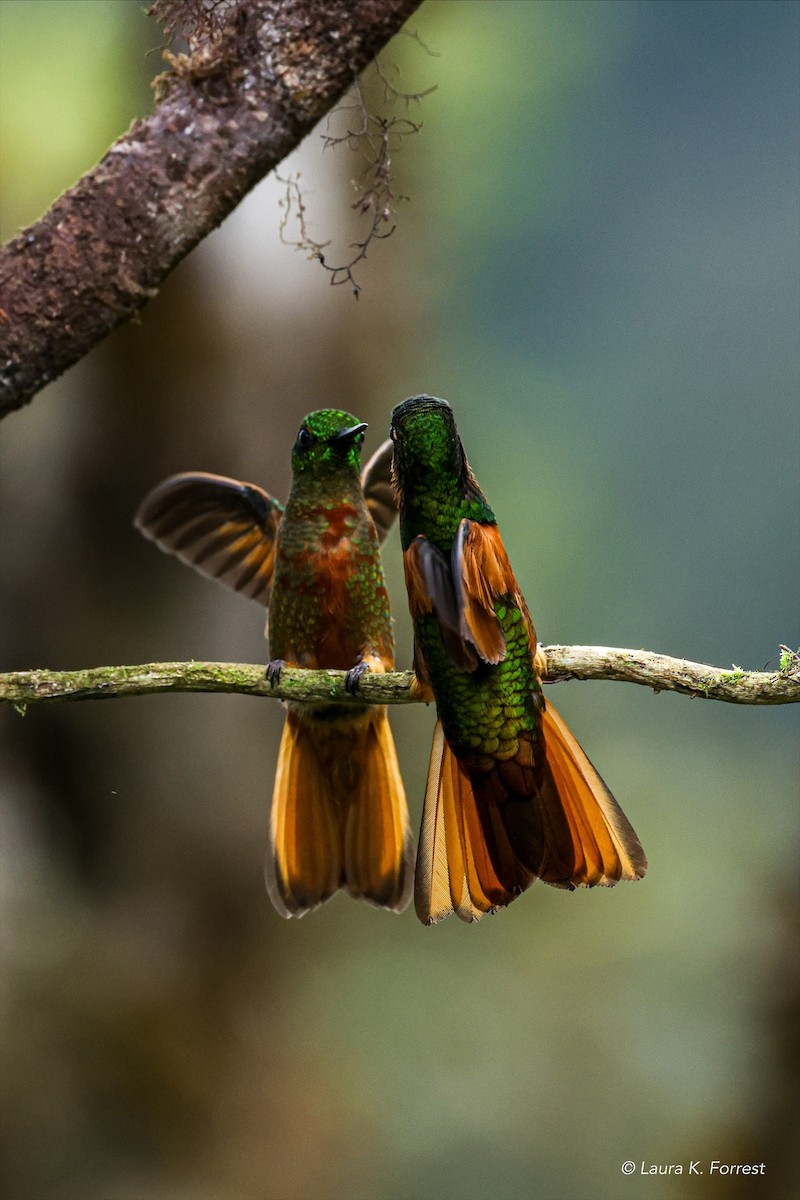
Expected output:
(486, 837)
(605, 846)
(339, 817)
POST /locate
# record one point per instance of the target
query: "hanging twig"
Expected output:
(374, 139)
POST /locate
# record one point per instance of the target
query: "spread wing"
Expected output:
(223, 528)
(376, 483)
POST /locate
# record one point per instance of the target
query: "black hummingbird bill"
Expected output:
(339, 819)
(511, 797)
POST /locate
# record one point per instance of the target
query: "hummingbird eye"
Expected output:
(305, 438)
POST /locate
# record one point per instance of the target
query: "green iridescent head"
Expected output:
(435, 487)
(425, 437)
(329, 441)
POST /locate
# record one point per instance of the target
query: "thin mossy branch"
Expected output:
(656, 671)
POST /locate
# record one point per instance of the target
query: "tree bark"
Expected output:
(655, 671)
(229, 113)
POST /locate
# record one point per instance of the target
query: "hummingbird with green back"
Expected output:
(339, 816)
(511, 796)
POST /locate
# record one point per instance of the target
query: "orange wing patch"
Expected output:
(419, 602)
(483, 575)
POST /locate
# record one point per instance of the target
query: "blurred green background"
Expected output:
(598, 267)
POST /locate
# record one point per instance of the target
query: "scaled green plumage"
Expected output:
(511, 796)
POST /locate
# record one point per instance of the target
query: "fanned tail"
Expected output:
(605, 846)
(455, 870)
(303, 865)
(339, 816)
(486, 836)
(440, 884)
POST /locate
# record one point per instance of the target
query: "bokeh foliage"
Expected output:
(598, 268)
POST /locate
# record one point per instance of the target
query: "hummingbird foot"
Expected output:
(353, 676)
(273, 671)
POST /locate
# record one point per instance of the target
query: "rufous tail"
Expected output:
(486, 836)
(339, 815)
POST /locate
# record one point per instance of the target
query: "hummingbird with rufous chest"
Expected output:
(511, 797)
(339, 818)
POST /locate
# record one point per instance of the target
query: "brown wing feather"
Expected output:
(483, 575)
(429, 583)
(420, 603)
(222, 528)
(379, 493)
(462, 593)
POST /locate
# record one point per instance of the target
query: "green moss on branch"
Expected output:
(24, 688)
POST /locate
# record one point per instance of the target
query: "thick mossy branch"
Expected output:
(263, 76)
(655, 671)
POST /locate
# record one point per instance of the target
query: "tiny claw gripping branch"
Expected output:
(273, 671)
(353, 677)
